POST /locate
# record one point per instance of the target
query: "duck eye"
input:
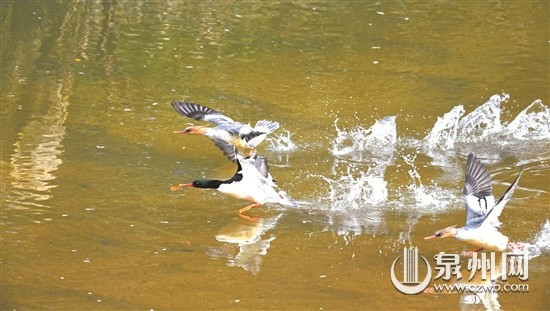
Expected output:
(438, 234)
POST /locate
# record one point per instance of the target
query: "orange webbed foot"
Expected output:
(246, 208)
(516, 245)
(471, 253)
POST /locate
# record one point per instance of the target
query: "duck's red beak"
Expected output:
(179, 132)
(180, 186)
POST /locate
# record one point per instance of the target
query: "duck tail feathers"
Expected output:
(266, 126)
(286, 200)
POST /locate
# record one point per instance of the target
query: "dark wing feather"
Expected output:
(266, 126)
(255, 136)
(200, 113)
(492, 216)
(261, 165)
(478, 180)
(227, 149)
(510, 191)
(249, 136)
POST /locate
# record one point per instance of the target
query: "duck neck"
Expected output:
(215, 184)
(207, 183)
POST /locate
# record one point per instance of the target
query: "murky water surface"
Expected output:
(379, 104)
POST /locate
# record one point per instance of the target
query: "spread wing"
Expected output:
(227, 149)
(478, 180)
(477, 192)
(261, 165)
(494, 213)
(254, 136)
(200, 113)
(256, 167)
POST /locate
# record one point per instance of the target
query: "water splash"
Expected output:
(444, 133)
(281, 142)
(484, 125)
(483, 121)
(532, 123)
(378, 140)
(427, 198)
(357, 195)
(354, 202)
(349, 225)
(355, 190)
(477, 125)
(363, 181)
(541, 242)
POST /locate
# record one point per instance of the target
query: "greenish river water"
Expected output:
(379, 105)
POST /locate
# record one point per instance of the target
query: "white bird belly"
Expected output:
(488, 238)
(253, 192)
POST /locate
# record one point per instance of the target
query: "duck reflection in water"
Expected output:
(248, 238)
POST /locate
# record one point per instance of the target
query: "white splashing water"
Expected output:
(363, 183)
(477, 125)
(532, 123)
(444, 133)
(484, 124)
(483, 121)
(281, 142)
(357, 187)
(355, 190)
(379, 139)
(427, 198)
(541, 242)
